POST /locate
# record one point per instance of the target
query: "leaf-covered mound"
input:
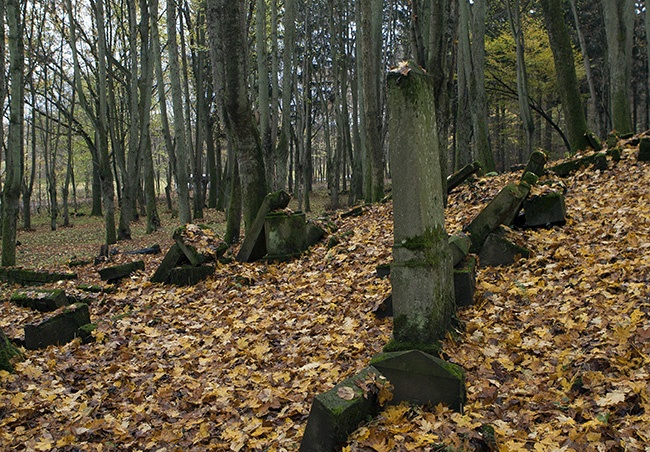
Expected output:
(556, 349)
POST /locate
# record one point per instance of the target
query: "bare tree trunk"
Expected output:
(180, 136)
(371, 54)
(227, 31)
(567, 81)
(514, 17)
(14, 158)
(619, 28)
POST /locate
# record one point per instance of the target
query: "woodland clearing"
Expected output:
(556, 349)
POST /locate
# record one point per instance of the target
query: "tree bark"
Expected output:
(619, 29)
(180, 137)
(567, 81)
(227, 30)
(14, 157)
(371, 21)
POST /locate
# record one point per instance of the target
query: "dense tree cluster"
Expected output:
(215, 103)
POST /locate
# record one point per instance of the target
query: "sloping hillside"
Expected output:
(556, 350)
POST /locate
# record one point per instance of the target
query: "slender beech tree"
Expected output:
(15, 151)
(619, 28)
(567, 81)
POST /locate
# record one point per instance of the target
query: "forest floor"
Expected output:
(556, 348)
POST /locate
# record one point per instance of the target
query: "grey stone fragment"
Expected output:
(40, 300)
(60, 329)
(422, 379)
(497, 250)
(545, 210)
(332, 418)
(465, 282)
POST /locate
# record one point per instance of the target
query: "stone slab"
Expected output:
(188, 275)
(60, 329)
(332, 418)
(117, 272)
(497, 250)
(545, 210)
(459, 244)
(465, 282)
(40, 300)
(644, 150)
(422, 379)
(285, 234)
(173, 258)
(254, 246)
(32, 277)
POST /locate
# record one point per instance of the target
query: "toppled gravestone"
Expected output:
(254, 246)
(72, 322)
(545, 210)
(40, 300)
(337, 413)
(115, 273)
(422, 379)
(189, 259)
(498, 250)
(501, 210)
(285, 235)
(26, 277)
(462, 175)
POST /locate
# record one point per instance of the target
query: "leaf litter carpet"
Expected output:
(556, 349)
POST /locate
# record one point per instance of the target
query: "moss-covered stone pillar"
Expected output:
(421, 273)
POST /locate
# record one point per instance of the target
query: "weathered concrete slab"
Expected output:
(60, 329)
(498, 250)
(536, 163)
(459, 244)
(285, 235)
(545, 210)
(501, 210)
(336, 413)
(422, 379)
(174, 257)
(254, 246)
(314, 233)
(188, 275)
(40, 300)
(32, 277)
(115, 273)
(7, 352)
(462, 175)
(465, 282)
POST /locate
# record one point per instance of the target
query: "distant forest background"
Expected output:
(113, 104)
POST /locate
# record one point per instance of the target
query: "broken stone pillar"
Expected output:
(40, 300)
(498, 250)
(422, 379)
(115, 273)
(545, 210)
(60, 329)
(285, 234)
(465, 282)
(7, 352)
(337, 413)
(462, 175)
(254, 246)
(421, 273)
